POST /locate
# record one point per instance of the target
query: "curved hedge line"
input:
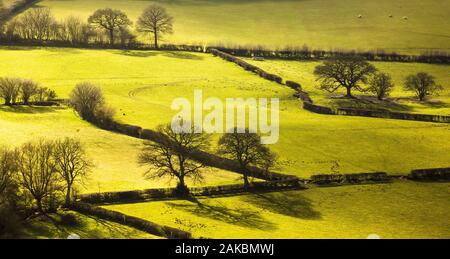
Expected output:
(432, 174)
(169, 193)
(134, 222)
(323, 179)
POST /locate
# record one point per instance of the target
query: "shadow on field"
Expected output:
(240, 217)
(181, 55)
(136, 53)
(370, 103)
(291, 204)
(29, 109)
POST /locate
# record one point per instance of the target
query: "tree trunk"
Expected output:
(349, 92)
(68, 196)
(111, 37)
(246, 182)
(39, 206)
(155, 36)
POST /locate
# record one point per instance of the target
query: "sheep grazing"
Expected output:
(405, 17)
(360, 16)
(391, 16)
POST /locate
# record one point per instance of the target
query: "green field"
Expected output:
(88, 227)
(400, 100)
(114, 155)
(317, 23)
(142, 86)
(398, 210)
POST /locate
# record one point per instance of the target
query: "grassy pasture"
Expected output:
(114, 155)
(398, 210)
(88, 227)
(142, 86)
(405, 101)
(317, 23)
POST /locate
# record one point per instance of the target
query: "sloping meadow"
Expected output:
(141, 86)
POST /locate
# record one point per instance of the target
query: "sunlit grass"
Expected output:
(398, 210)
(318, 23)
(142, 85)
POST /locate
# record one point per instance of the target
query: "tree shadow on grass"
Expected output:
(182, 55)
(291, 204)
(24, 109)
(240, 217)
(136, 53)
(371, 103)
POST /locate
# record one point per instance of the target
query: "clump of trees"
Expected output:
(171, 156)
(354, 73)
(106, 25)
(21, 91)
(38, 175)
(88, 101)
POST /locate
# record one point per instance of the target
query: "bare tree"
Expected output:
(171, 156)
(345, 71)
(74, 30)
(72, 164)
(28, 90)
(8, 169)
(423, 84)
(38, 171)
(109, 20)
(155, 20)
(37, 24)
(10, 89)
(381, 85)
(86, 98)
(246, 148)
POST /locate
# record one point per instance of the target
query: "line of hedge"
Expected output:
(432, 174)
(201, 156)
(134, 222)
(325, 179)
(170, 193)
(247, 66)
(393, 115)
(432, 57)
(317, 108)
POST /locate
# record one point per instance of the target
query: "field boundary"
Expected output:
(169, 193)
(134, 222)
(310, 106)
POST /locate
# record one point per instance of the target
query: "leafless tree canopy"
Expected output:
(28, 90)
(72, 163)
(423, 84)
(155, 20)
(10, 89)
(86, 98)
(38, 170)
(170, 157)
(381, 85)
(8, 169)
(347, 72)
(109, 20)
(246, 148)
(37, 24)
